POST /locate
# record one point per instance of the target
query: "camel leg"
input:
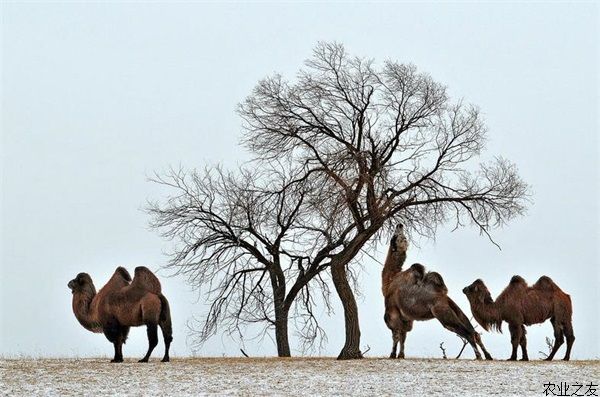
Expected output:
(395, 339)
(395, 323)
(123, 332)
(113, 333)
(570, 340)
(118, 352)
(167, 331)
(152, 331)
(558, 338)
(471, 339)
(523, 344)
(451, 322)
(402, 340)
(515, 339)
(479, 342)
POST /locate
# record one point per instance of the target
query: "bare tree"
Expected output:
(239, 236)
(379, 145)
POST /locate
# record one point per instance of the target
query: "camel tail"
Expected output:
(568, 308)
(165, 309)
(165, 317)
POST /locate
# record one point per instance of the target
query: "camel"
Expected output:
(415, 294)
(123, 303)
(520, 305)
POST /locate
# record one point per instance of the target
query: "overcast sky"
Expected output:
(95, 97)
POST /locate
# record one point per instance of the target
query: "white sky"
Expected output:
(97, 96)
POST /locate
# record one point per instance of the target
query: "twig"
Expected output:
(464, 341)
(244, 353)
(371, 256)
(368, 348)
(463, 348)
(443, 351)
(550, 344)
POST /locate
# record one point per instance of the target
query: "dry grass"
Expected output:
(295, 376)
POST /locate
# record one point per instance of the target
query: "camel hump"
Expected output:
(418, 270)
(516, 279)
(123, 273)
(435, 279)
(119, 279)
(545, 283)
(144, 279)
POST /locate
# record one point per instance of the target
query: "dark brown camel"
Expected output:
(123, 303)
(521, 305)
(415, 294)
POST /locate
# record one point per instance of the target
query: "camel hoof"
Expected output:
(401, 355)
(566, 359)
(548, 359)
(143, 360)
(165, 360)
(512, 359)
(525, 359)
(116, 360)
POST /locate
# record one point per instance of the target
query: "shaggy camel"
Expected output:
(521, 305)
(415, 294)
(123, 303)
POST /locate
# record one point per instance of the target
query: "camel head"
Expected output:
(478, 292)
(399, 230)
(82, 284)
(399, 241)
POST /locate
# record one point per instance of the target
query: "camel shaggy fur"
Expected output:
(123, 303)
(520, 305)
(415, 294)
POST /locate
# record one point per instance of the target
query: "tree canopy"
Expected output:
(341, 153)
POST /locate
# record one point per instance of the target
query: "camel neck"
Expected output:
(392, 266)
(394, 261)
(82, 308)
(396, 254)
(488, 315)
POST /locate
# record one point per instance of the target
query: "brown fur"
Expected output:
(520, 305)
(145, 279)
(395, 258)
(415, 294)
(123, 303)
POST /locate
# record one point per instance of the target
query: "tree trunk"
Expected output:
(351, 349)
(281, 333)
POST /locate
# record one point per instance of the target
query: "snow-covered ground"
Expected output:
(295, 376)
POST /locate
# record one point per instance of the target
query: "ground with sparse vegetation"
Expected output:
(295, 376)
